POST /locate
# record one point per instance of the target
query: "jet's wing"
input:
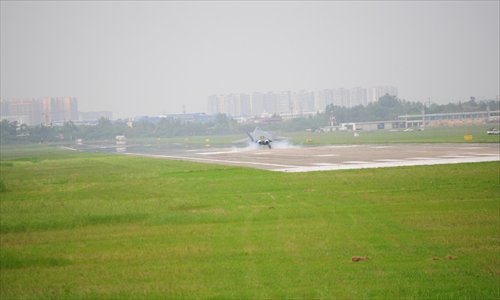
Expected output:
(251, 136)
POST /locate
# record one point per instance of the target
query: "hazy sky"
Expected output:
(154, 57)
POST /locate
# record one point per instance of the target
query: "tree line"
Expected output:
(11, 132)
(385, 109)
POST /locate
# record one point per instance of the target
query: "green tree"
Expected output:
(224, 124)
(7, 131)
(70, 130)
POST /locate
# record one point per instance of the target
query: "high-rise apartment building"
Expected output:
(246, 105)
(325, 97)
(341, 97)
(257, 103)
(284, 102)
(215, 104)
(60, 109)
(35, 111)
(374, 93)
(358, 96)
(230, 104)
(271, 103)
(296, 103)
(303, 101)
(25, 111)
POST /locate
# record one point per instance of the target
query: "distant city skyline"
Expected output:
(36, 111)
(294, 102)
(155, 57)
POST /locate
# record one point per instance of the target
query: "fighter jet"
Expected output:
(260, 137)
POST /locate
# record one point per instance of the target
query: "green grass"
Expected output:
(95, 226)
(428, 135)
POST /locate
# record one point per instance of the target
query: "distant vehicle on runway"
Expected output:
(493, 131)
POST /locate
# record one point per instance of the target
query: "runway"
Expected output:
(343, 157)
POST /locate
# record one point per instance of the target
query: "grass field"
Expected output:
(429, 135)
(95, 226)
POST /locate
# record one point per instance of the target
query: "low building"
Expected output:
(423, 120)
(450, 119)
(373, 125)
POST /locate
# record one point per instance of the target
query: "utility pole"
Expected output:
(423, 112)
(423, 116)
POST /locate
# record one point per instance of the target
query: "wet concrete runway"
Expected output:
(305, 159)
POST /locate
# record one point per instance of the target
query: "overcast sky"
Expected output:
(154, 57)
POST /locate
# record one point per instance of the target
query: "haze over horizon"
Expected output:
(136, 58)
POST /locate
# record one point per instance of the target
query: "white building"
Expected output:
(375, 93)
(257, 103)
(358, 96)
(284, 102)
(294, 103)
